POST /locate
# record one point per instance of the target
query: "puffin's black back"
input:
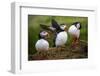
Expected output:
(39, 36)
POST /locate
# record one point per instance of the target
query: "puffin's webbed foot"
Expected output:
(77, 41)
(58, 48)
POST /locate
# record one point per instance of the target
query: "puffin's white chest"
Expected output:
(61, 38)
(74, 31)
(42, 45)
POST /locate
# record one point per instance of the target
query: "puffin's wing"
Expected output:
(55, 25)
(45, 27)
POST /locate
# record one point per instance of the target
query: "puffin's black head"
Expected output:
(43, 35)
(77, 25)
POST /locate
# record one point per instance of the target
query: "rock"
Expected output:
(81, 51)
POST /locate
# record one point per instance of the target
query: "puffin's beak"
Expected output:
(66, 28)
(47, 36)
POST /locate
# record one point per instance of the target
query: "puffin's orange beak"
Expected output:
(47, 36)
(66, 28)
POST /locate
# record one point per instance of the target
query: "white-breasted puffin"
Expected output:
(61, 35)
(42, 44)
(74, 31)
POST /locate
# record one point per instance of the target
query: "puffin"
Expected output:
(61, 35)
(42, 44)
(74, 31)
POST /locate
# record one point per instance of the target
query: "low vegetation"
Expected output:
(67, 52)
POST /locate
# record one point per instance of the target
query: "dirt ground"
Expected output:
(67, 52)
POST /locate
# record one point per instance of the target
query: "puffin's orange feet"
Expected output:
(77, 42)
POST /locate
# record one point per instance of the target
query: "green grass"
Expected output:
(34, 28)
